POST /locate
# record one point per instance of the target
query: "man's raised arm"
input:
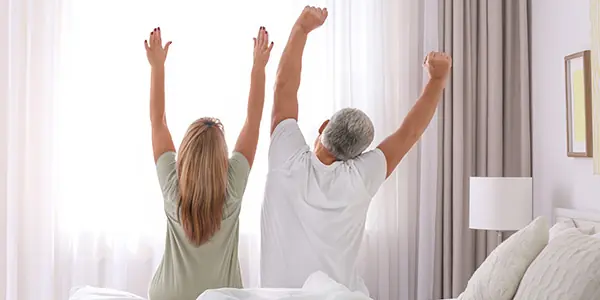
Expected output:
(418, 118)
(285, 104)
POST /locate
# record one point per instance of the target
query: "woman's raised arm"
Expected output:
(248, 139)
(157, 54)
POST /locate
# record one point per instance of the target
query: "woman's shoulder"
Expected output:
(238, 163)
(238, 172)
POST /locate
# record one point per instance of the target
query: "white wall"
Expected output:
(559, 28)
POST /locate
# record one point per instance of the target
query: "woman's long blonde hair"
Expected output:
(202, 169)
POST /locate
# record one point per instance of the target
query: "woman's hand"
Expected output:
(156, 53)
(262, 47)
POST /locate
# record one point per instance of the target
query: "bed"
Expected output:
(576, 260)
(545, 260)
(579, 217)
(318, 286)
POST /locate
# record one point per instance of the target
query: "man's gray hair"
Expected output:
(349, 132)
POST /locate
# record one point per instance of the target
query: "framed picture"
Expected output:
(579, 104)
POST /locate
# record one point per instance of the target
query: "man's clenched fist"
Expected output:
(311, 18)
(438, 65)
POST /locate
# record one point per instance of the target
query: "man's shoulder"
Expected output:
(286, 125)
(373, 153)
(370, 157)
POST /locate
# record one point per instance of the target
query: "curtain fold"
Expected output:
(30, 32)
(385, 81)
(485, 125)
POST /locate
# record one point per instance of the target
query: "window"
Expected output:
(107, 180)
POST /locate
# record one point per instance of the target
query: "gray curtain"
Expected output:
(484, 128)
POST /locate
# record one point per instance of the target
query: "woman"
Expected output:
(202, 188)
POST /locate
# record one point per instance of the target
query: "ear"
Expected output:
(323, 126)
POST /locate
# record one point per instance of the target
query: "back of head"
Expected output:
(202, 169)
(348, 133)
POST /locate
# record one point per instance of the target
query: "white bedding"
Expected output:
(95, 293)
(318, 286)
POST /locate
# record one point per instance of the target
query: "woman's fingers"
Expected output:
(260, 29)
(167, 45)
(158, 37)
(146, 45)
(266, 39)
(155, 40)
(261, 38)
(154, 43)
(261, 41)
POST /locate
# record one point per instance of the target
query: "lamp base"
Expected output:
(499, 238)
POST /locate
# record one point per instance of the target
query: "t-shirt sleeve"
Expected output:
(372, 168)
(286, 141)
(166, 169)
(238, 172)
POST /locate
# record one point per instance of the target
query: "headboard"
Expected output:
(580, 217)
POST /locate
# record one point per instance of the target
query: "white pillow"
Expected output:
(568, 224)
(568, 268)
(499, 275)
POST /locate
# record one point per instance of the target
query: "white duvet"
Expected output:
(318, 286)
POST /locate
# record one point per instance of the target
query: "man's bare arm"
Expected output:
(397, 145)
(285, 104)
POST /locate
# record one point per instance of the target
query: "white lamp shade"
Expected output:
(500, 203)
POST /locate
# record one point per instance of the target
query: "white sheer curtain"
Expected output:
(385, 78)
(29, 34)
(80, 202)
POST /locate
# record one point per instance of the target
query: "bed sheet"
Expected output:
(318, 286)
(96, 293)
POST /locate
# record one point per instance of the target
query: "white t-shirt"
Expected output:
(313, 215)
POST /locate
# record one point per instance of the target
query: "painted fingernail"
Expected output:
(158, 28)
(151, 33)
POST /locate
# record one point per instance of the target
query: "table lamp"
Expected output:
(500, 203)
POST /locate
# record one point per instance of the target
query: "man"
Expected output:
(313, 215)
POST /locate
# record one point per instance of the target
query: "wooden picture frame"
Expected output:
(578, 92)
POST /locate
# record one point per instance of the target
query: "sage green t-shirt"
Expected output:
(187, 270)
